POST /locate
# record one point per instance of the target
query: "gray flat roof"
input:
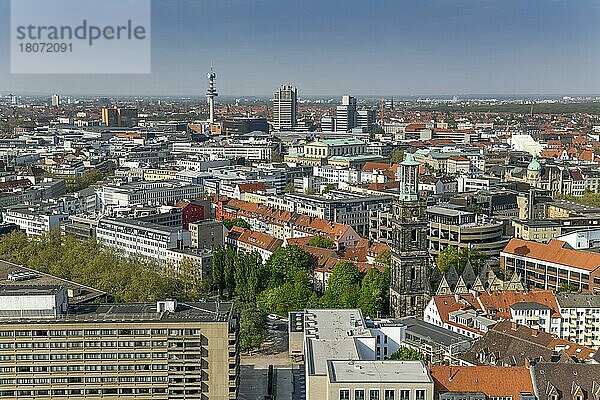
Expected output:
(578, 300)
(435, 333)
(77, 293)
(378, 371)
(529, 305)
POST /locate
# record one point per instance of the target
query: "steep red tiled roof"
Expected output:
(491, 380)
(501, 301)
(251, 187)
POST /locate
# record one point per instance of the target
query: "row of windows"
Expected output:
(98, 356)
(71, 392)
(103, 332)
(388, 394)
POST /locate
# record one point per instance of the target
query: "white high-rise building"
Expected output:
(346, 114)
(285, 108)
(55, 100)
(365, 118)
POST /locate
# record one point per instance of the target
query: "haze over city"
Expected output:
(369, 48)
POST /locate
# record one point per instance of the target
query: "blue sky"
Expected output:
(368, 47)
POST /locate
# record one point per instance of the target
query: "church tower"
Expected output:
(409, 292)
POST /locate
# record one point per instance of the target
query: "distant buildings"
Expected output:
(285, 108)
(55, 100)
(345, 115)
(119, 117)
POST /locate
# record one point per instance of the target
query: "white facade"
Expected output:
(144, 239)
(34, 223)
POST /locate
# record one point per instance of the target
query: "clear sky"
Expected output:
(366, 47)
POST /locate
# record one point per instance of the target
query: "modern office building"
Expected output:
(464, 230)
(341, 361)
(207, 234)
(52, 350)
(34, 222)
(55, 100)
(365, 118)
(119, 117)
(243, 125)
(285, 108)
(345, 114)
(133, 237)
(552, 265)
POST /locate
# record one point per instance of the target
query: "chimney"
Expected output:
(513, 326)
(535, 332)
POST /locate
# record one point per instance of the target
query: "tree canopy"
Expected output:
(452, 256)
(125, 278)
(407, 354)
(320, 241)
(240, 222)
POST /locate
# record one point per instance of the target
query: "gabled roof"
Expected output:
(257, 239)
(490, 380)
(501, 301)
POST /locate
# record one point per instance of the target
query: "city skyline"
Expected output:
(412, 48)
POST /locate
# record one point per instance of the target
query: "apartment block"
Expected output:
(167, 350)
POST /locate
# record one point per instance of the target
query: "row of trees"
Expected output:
(284, 284)
(127, 279)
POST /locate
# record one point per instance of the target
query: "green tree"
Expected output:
(448, 257)
(329, 187)
(320, 241)
(218, 269)
(567, 287)
(343, 288)
(239, 222)
(374, 292)
(290, 188)
(284, 262)
(252, 327)
(194, 287)
(407, 354)
(385, 257)
(396, 156)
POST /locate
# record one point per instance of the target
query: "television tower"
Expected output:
(211, 93)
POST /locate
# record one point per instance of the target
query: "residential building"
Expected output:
(165, 350)
(251, 241)
(580, 313)
(285, 108)
(483, 383)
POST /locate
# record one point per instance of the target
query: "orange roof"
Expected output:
(458, 158)
(501, 301)
(321, 226)
(259, 239)
(551, 153)
(251, 187)
(370, 166)
(253, 210)
(554, 252)
(491, 380)
(448, 303)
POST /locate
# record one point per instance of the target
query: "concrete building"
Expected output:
(50, 349)
(34, 221)
(207, 234)
(463, 229)
(133, 237)
(549, 266)
(285, 108)
(340, 360)
(580, 318)
(345, 115)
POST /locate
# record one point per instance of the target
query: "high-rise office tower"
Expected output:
(211, 93)
(327, 123)
(119, 117)
(410, 289)
(365, 118)
(55, 100)
(285, 108)
(346, 114)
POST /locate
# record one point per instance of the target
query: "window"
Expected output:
(420, 395)
(359, 394)
(344, 394)
(404, 395)
(388, 394)
(374, 394)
